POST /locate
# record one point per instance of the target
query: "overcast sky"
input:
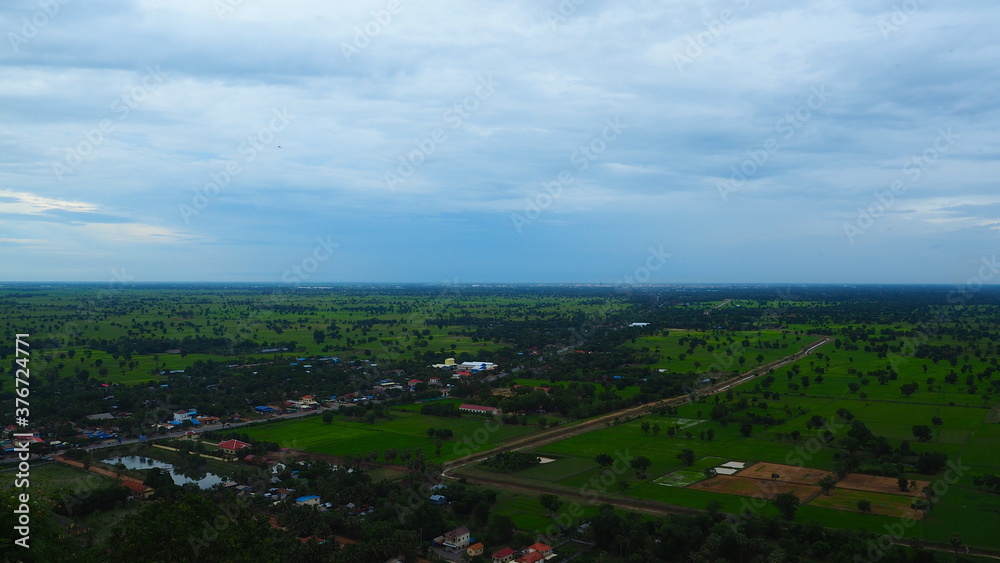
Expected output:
(850, 141)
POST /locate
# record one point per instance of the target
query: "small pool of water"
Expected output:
(140, 462)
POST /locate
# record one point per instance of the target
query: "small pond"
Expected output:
(202, 478)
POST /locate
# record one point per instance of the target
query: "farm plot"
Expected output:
(876, 484)
(885, 504)
(749, 487)
(785, 473)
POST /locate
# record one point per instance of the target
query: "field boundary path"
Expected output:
(95, 469)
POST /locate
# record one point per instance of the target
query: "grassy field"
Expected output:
(407, 430)
(528, 514)
(700, 352)
(54, 477)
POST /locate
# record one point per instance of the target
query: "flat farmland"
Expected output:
(405, 431)
(876, 484)
(884, 504)
(748, 487)
(786, 473)
(840, 367)
(698, 351)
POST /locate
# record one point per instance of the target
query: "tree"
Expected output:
(437, 447)
(909, 389)
(746, 429)
(550, 503)
(903, 484)
(640, 464)
(328, 417)
(787, 504)
(686, 456)
(656, 429)
(827, 484)
(936, 421)
(865, 505)
(710, 434)
(645, 427)
(922, 432)
(501, 528)
(604, 460)
(930, 463)
(955, 541)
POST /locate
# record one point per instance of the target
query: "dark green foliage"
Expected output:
(104, 498)
(441, 409)
(987, 482)
(787, 504)
(509, 462)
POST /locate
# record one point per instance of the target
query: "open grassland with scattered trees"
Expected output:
(662, 423)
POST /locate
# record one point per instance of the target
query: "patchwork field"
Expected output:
(751, 487)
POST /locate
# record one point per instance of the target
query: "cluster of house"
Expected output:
(84, 434)
(460, 539)
(279, 494)
(410, 384)
(7, 443)
(309, 402)
(532, 554)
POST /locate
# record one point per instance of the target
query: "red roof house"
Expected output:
(232, 446)
(504, 555)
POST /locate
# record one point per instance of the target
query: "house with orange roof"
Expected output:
(545, 550)
(475, 549)
(137, 490)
